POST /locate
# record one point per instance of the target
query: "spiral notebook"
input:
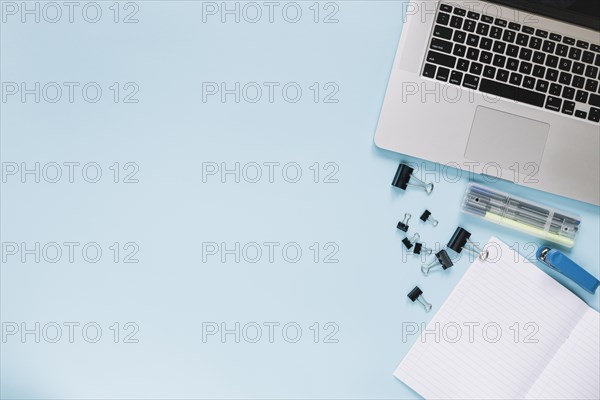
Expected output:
(523, 336)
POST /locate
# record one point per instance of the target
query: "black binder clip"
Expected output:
(460, 240)
(403, 225)
(426, 217)
(409, 243)
(417, 295)
(442, 259)
(404, 176)
(419, 248)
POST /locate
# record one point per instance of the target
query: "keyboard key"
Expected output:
(472, 54)
(539, 57)
(529, 30)
(552, 61)
(443, 18)
(460, 11)
(535, 43)
(539, 71)
(522, 39)
(578, 82)
(456, 22)
(568, 108)
(555, 89)
(525, 68)
(555, 37)
(429, 71)
(581, 114)
(568, 93)
(471, 82)
(512, 64)
(509, 36)
(442, 74)
(597, 62)
(483, 29)
(578, 68)
(476, 68)
(542, 86)
(516, 79)
(485, 43)
(499, 47)
(442, 32)
(473, 15)
(445, 7)
(595, 48)
(486, 57)
(441, 45)
(591, 85)
(541, 33)
(473, 40)
(512, 93)
(487, 19)
(552, 75)
(549, 46)
(435, 57)
(499, 61)
(501, 22)
(469, 25)
(588, 57)
(582, 44)
(553, 103)
(495, 32)
(459, 37)
(591, 71)
(489, 72)
(568, 40)
(514, 26)
(574, 53)
(594, 114)
(595, 100)
(565, 78)
(529, 82)
(581, 96)
(512, 50)
(459, 50)
(562, 50)
(463, 65)
(456, 77)
(502, 75)
(525, 54)
(565, 64)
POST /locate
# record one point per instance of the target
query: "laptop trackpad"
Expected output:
(506, 139)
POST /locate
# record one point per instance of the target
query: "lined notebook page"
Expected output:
(574, 371)
(521, 318)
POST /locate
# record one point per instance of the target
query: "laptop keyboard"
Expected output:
(515, 61)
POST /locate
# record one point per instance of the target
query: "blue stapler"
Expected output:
(563, 264)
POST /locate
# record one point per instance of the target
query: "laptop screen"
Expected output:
(580, 12)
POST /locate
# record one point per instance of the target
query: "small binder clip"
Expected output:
(403, 225)
(409, 243)
(426, 217)
(441, 259)
(403, 178)
(419, 248)
(459, 241)
(563, 264)
(417, 295)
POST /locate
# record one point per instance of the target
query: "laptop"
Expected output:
(504, 88)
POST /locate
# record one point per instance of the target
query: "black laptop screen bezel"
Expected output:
(588, 21)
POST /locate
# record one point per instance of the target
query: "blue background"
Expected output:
(169, 133)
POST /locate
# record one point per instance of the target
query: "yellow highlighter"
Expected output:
(522, 215)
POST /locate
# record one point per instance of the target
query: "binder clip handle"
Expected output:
(567, 267)
(417, 295)
(441, 259)
(459, 241)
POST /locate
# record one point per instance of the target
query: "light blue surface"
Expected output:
(170, 212)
